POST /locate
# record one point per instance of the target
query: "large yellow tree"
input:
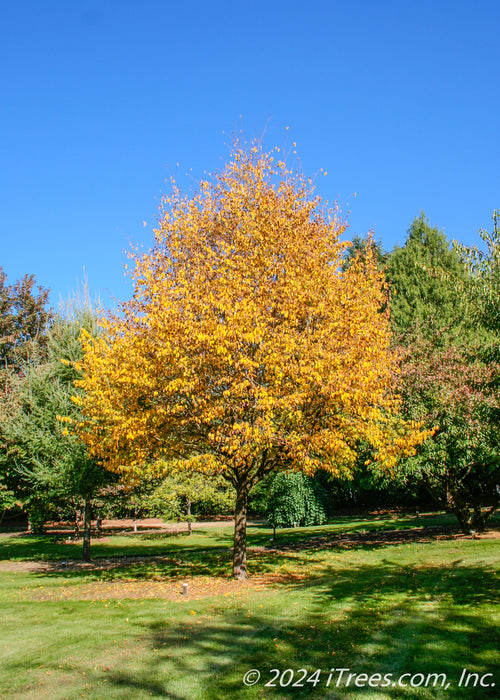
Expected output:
(245, 347)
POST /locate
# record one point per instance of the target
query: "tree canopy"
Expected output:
(245, 347)
(451, 388)
(24, 318)
(482, 288)
(423, 276)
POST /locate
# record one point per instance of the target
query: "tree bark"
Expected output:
(464, 518)
(478, 520)
(240, 533)
(87, 514)
(136, 511)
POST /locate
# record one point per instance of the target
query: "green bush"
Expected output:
(295, 498)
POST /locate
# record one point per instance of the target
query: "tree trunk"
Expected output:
(87, 514)
(240, 533)
(452, 503)
(464, 518)
(136, 510)
(478, 520)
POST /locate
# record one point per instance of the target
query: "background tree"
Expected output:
(482, 287)
(178, 495)
(358, 249)
(24, 319)
(245, 347)
(296, 499)
(451, 388)
(448, 372)
(51, 466)
(423, 277)
(8, 499)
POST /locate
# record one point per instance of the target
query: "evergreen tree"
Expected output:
(359, 246)
(444, 310)
(423, 277)
(47, 464)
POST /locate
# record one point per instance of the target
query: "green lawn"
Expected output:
(353, 594)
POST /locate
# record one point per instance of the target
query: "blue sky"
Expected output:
(398, 101)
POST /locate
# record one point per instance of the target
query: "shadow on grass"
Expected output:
(343, 532)
(261, 535)
(186, 563)
(383, 619)
(371, 615)
(54, 547)
(294, 559)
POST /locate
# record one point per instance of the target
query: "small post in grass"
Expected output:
(185, 589)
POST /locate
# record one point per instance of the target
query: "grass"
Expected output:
(352, 594)
(47, 547)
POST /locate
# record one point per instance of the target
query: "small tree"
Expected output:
(245, 347)
(179, 491)
(295, 499)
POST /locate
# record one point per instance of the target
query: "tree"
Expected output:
(179, 491)
(51, 466)
(358, 249)
(451, 388)
(245, 347)
(295, 499)
(482, 286)
(423, 277)
(8, 499)
(445, 319)
(24, 318)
